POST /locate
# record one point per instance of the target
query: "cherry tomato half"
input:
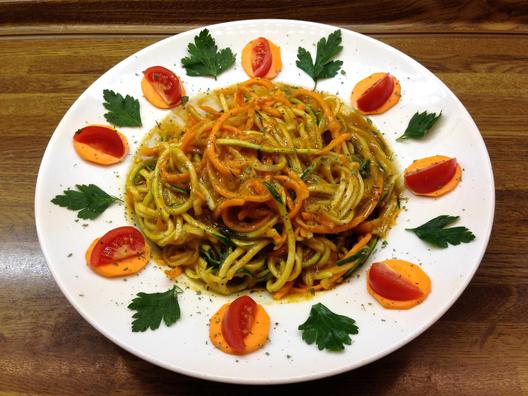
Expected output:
(117, 244)
(238, 321)
(165, 83)
(431, 178)
(101, 138)
(391, 285)
(377, 94)
(261, 57)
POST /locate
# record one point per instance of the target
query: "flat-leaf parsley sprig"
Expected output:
(205, 59)
(122, 111)
(435, 233)
(152, 308)
(419, 125)
(324, 66)
(327, 329)
(89, 200)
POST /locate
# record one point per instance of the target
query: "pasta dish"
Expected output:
(264, 184)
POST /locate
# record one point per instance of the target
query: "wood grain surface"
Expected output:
(51, 51)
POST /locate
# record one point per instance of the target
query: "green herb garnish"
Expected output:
(327, 329)
(434, 232)
(224, 239)
(274, 193)
(177, 189)
(363, 258)
(214, 257)
(205, 59)
(90, 200)
(419, 125)
(152, 308)
(310, 169)
(244, 272)
(122, 111)
(364, 169)
(324, 66)
(354, 257)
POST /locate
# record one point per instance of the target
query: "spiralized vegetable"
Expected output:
(264, 184)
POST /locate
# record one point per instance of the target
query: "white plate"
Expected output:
(185, 347)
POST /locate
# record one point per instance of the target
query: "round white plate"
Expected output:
(184, 347)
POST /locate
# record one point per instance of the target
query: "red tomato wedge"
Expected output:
(100, 144)
(377, 94)
(117, 244)
(391, 285)
(165, 83)
(237, 322)
(261, 57)
(431, 178)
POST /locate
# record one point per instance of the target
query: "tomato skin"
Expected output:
(261, 57)
(117, 244)
(431, 178)
(165, 83)
(377, 94)
(237, 322)
(102, 138)
(390, 284)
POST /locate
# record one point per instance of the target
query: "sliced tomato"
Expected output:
(377, 94)
(431, 178)
(238, 321)
(165, 83)
(261, 57)
(117, 244)
(391, 285)
(101, 138)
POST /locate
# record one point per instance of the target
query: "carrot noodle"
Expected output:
(264, 184)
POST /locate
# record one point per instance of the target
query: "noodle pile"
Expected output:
(264, 184)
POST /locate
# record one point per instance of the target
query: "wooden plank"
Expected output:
(151, 30)
(167, 17)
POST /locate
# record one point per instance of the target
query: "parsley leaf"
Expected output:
(327, 329)
(434, 232)
(324, 66)
(122, 111)
(205, 59)
(419, 125)
(90, 200)
(152, 308)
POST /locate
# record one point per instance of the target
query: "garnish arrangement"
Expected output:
(327, 329)
(419, 125)
(152, 308)
(262, 185)
(435, 233)
(204, 57)
(324, 65)
(122, 111)
(89, 200)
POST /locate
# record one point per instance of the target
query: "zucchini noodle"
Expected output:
(263, 184)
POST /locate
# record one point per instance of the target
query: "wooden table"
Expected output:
(51, 51)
